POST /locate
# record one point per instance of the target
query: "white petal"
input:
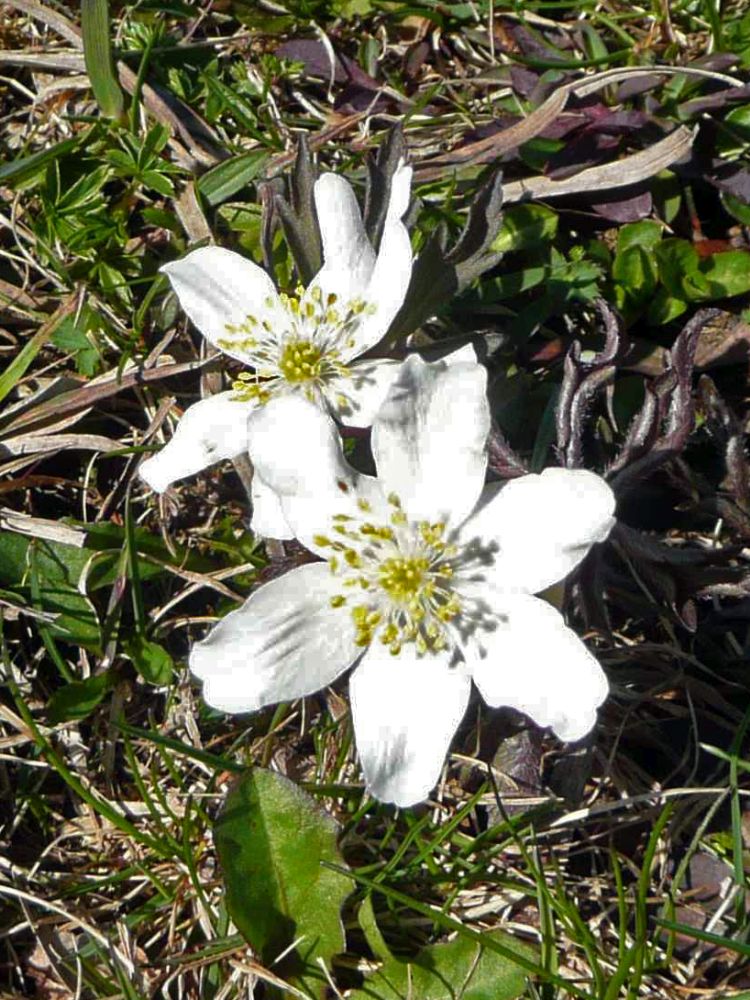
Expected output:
(211, 430)
(429, 439)
(219, 288)
(348, 258)
(392, 271)
(356, 398)
(543, 524)
(286, 641)
(406, 709)
(268, 520)
(296, 449)
(533, 662)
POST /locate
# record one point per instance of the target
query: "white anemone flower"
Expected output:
(427, 580)
(300, 346)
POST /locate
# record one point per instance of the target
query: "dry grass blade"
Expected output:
(629, 170)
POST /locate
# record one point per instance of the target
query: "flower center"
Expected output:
(404, 568)
(302, 348)
(300, 361)
(403, 579)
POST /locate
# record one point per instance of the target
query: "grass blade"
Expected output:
(98, 55)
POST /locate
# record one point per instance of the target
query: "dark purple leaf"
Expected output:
(354, 99)
(415, 59)
(535, 44)
(603, 119)
(585, 150)
(717, 61)
(710, 102)
(315, 57)
(523, 81)
(732, 179)
(629, 209)
(638, 85)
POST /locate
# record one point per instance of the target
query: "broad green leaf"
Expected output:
(734, 132)
(737, 208)
(456, 970)
(52, 572)
(679, 270)
(728, 273)
(645, 235)
(525, 226)
(666, 192)
(77, 699)
(665, 307)
(636, 271)
(506, 286)
(272, 839)
(151, 660)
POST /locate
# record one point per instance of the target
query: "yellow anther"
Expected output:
(337, 600)
(364, 505)
(301, 361)
(389, 634)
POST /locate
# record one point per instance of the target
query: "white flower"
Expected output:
(426, 583)
(302, 346)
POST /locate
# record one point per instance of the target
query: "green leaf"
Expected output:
(636, 271)
(50, 572)
(78, 699)
(665, 307)
(85, 193)
(734, 132)
(151, 660)
(506, 286)
(229, 177)
(679, 270)
(737, 208)
(53, 572)
(71, 337)
(728, 273)
(158, 182)
(456, 970)
(645, 235)
(271, 839)
(525, 226)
